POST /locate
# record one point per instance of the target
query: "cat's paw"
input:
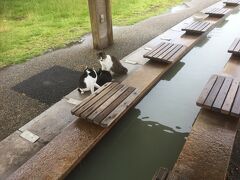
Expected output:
(80, 91)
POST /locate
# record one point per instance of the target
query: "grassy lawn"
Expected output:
(30, 27)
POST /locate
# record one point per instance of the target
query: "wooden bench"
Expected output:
(106, 104)
(235, 47)
(221, 94)
(197, 27)
(165, 52)
(232, 2)
(217, 12)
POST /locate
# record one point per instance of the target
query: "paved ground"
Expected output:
(17, 107)
(234, 166)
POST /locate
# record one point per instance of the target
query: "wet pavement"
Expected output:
(17, 107)
(234, 166)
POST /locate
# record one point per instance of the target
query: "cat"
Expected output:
(111, 64)
(103, 77)
(88, 81)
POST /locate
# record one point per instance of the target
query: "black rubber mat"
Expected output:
(50, 85)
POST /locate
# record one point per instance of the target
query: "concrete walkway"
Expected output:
(16, 109)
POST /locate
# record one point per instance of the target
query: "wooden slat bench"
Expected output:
(221, 94)
(232, 2)
(197, 27)
(235, 47)
(106, 104)
(165, 52)
(217, 12)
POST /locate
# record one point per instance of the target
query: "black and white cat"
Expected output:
(103, 77)
(111, 64)
(88, 81)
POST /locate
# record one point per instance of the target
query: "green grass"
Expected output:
(30, 27)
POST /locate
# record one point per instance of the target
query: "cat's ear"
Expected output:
(86, 67)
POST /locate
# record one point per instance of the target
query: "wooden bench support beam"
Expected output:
(101, 23)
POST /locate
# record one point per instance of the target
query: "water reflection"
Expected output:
(134, 145)
(174, 70)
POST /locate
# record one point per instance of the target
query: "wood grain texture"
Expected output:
(220, 94)
(236, 105)
(232, 2)
(230, 97)
(214, 92)
(98, 119)
(208, 87)
(86, 104)
(217, 12)
(121, 109)
(166, 52)
(235, 47)
(87, 99)
(107, 103)
(197, 27)
(99, 102)
(217, 105)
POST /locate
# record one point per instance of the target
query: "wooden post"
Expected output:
(101, 22)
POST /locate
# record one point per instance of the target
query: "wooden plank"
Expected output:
(99, 102)
(236, 105)
(212, 10)
(217, 12)
(208, 87)
(226, 108)
(120, 110)
(237, 48)
(153, 50)
(159, 49)
(101, 40)
(189, 26)
(225, 11)
(233, 45)
(88, 104)
(207, 27)
(176, 50)
(192, 26)
(231, 2)
(222, 94)
(162, 56)
(163, 50)
(203, 26)
(214, 92)
(178, 54)
(90, 97)
(98, 119)
(166, 53)
(199, 27)
(107, 103)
